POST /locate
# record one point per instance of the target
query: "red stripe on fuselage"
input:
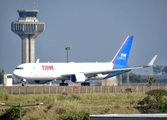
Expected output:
(112, 69)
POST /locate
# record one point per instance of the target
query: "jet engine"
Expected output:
(78, 78)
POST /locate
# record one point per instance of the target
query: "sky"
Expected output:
(95, 30)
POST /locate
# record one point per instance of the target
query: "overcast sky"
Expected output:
(94, 28)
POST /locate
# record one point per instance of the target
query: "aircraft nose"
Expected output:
(16, 73)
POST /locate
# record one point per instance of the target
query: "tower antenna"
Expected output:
(34, 4)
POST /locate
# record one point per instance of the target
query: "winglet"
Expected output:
(152, 61)
(37, 60)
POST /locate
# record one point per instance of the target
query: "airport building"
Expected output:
(28, 27)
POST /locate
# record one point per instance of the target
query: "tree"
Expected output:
(164, 69)
(133, 78)
(3, 72)
(1, 75)
(151, 81)
(157, 69)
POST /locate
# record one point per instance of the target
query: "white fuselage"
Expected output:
(79, 72)
(51, 71)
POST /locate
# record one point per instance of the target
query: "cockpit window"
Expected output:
(20, 68)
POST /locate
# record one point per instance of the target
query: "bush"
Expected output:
(128, 90)
(48, 108)
(163, 106)
(157, 94)
(61, 111)
(64, 93)
(104, 111)
(4, 95)
(153, 102)
(75, 97)
(82, 115)
(13, 113)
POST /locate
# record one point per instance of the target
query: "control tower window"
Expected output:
(28, 27)
(27, 14)
(25, 27)
(17, 27)
(21, 26)
(32, 27)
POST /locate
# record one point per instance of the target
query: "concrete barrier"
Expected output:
(129, 117)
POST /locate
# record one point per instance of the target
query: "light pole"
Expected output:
(21, 106)
(128, 72)
(120, 81)
(68, 48)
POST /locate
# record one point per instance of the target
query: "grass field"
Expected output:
(57, 104)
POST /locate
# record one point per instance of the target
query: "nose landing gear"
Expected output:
(23, 83)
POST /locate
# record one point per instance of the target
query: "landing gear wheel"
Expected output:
(85, 84)
(22, 84)
(63, 84)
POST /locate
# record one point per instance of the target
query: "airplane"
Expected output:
(78, 72)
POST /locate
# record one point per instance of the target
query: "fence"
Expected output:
(18, 90)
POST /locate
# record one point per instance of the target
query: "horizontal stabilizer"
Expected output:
(151, 62)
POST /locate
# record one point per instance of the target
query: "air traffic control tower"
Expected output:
(28, 27)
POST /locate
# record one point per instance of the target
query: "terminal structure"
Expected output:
(28, 27)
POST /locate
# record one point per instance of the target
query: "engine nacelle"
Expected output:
(78, 78)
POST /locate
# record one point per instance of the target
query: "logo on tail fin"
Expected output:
(122, 57)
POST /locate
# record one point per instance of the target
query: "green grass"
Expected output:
(57, 104)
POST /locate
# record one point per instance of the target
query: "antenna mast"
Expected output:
(34, 4)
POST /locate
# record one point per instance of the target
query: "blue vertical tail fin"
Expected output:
(122, 55)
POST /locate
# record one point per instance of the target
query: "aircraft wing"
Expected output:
(94, 73)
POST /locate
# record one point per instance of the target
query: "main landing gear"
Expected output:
(63, 84)
(23, 83)
(85, 84)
